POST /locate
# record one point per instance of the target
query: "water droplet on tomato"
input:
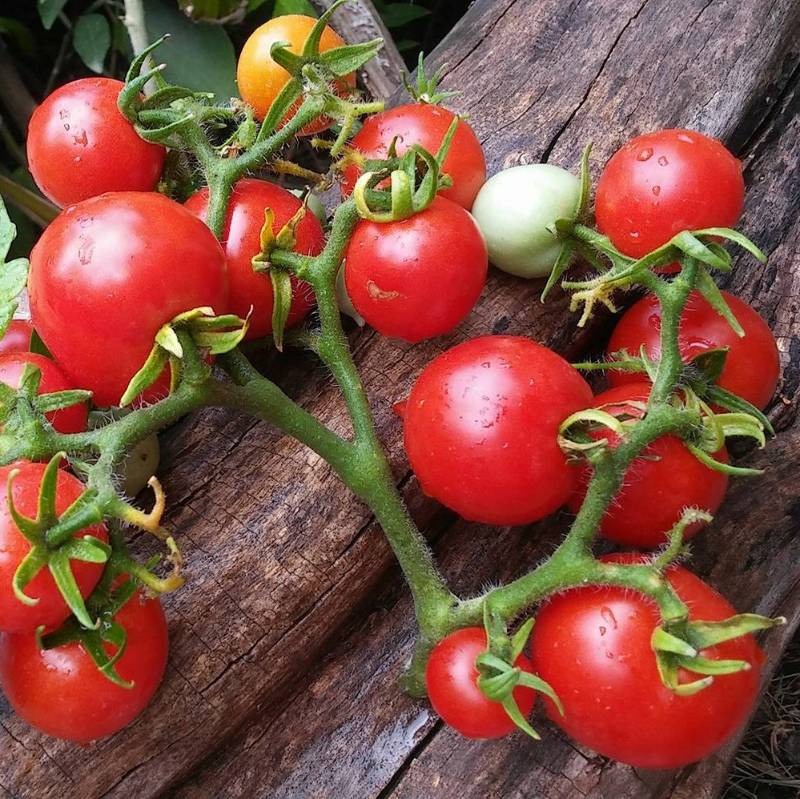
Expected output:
(634, 234)
(608, 616)
(685, 137)
(77, 159)
(645, 154)
(610, 655)
(486, 365)
(662, 161)
(656, 190)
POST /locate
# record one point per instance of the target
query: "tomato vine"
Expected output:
(185, 121)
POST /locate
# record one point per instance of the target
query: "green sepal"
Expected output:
(311, 45)
(282, 302)
(710, 291)
(89, 549)
(167, 339)
(281, 54)
(58, 400)
(30, 380)
(515, 714)
(29, 567)
(280, 107)
(520, 639)
(711, 363)
(60, 568)
(718, 466)
(343, 60)
(114, 634)
(586, 182)
(426, 89)
(737, 424)
(709, 666)
(82, 513)
(689, 244)
(559, 267)
(146, 376)
(703, 634)
(731, 402)
(46, 514)
(736, 237)
(537, 683)
(662, 641)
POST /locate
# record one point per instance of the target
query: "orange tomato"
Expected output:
(261, 79)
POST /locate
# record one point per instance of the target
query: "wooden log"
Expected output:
(284, 562)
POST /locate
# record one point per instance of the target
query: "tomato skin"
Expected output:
(752, 367)
(51, 609)
(108, 273)
(67, 420)
(451, 680)
(241, 241)
(664, 182)
(62, 693)
(593, 646)
(666, 479)
(426, 125)
(261, 79)
(80, 145)
(481, 426)
(419, 277)
(17, 337)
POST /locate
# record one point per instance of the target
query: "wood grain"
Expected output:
(277, 684)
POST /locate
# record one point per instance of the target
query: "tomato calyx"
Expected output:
(498, 677)
(52, 542)
(426, 88)
(178, 343)
(679, 647)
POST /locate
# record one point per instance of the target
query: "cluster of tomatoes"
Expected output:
(481, 422)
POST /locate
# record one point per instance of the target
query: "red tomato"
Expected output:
(80, 145)
(662, 183)
(593, 646)
(17, 337)
(108, 273)
(451, 678)
(51, 609)
(423, 124)
(261, 79)
(417, 278)
(752, 367)
(66, 420)
(481, 427)
(666, 479)
(61, 691)
(241, 241)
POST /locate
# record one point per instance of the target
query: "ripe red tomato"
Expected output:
(593, 646)
(17, 337)
(80, 145)
(481, 428)
(451, 678)
(752, 367)
(51, 609)
(108, 273)
(61, 691)
(66, 420)
(423, 124)
(241, 241)
(666, 479)
(261, 79)
(664, 182)
(417, 278)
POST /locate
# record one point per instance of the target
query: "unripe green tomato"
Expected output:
(514, 208)
(140, 465)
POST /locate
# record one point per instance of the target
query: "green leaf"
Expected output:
(19, 33)
(199, 55)
(146, 376)
(284, 7)
(559, 267)
(395, 15)
(57, 400)
(711, 363)
(49, 11)
(6, 315)
(92, 40)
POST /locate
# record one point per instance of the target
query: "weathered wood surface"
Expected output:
(288, 641)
